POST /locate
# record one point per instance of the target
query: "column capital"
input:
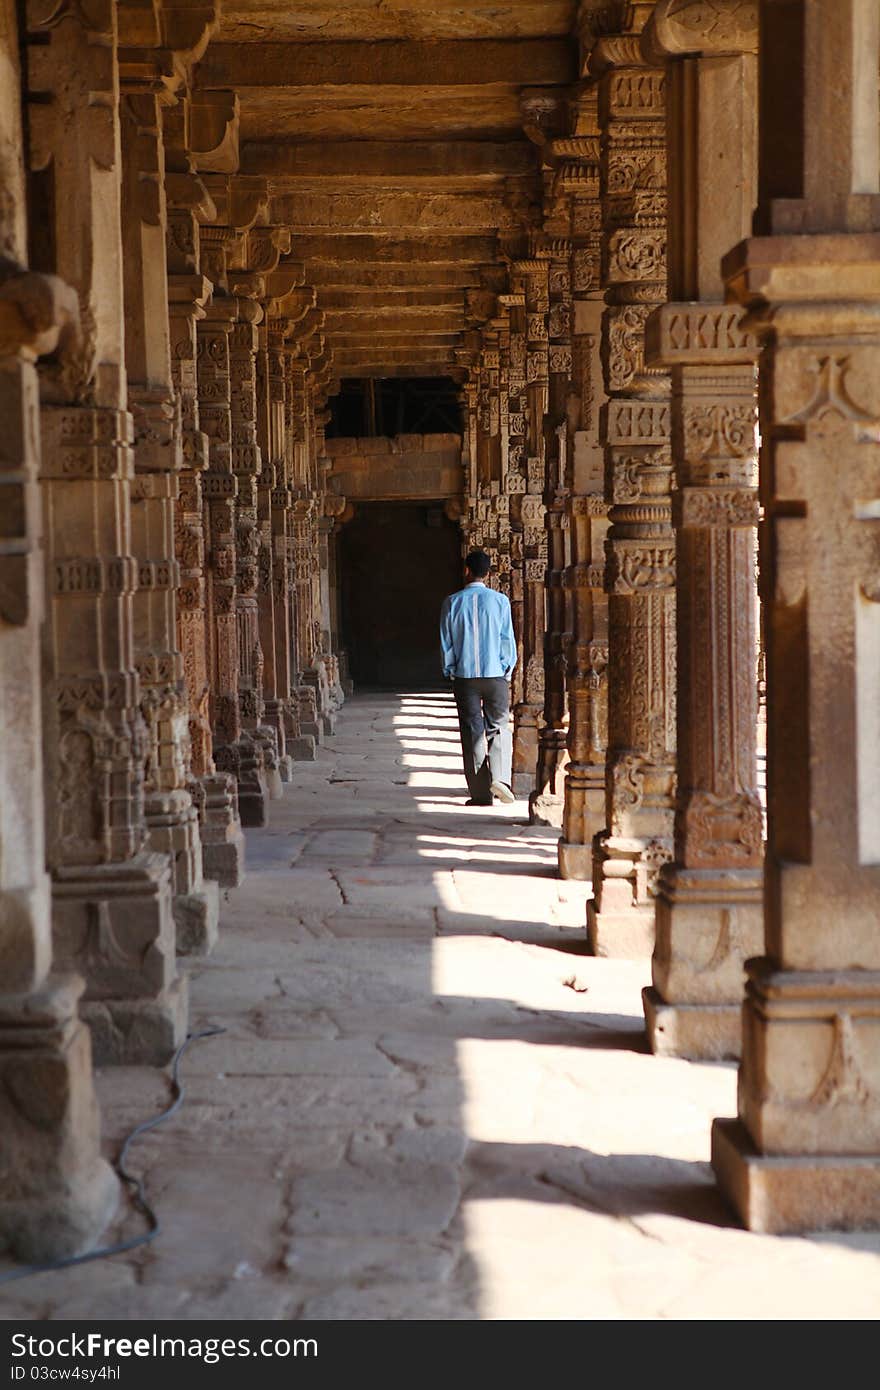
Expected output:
(684, 28)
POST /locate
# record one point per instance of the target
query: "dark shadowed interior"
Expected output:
(399, 561)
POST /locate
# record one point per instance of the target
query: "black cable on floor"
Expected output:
(135, 1184)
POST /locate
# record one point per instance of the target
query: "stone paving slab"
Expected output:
(429, 1102)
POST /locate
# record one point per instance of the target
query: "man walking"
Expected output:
(479, 654)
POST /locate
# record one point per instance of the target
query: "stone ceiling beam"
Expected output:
(376, 211)
(362, 248)
(371, 19)
(392, 320)
(393, 278)
(442, 367)
(356, 300)
(368, 342)
(391, 161)
(406, 63)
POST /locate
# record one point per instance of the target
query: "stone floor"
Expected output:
(428, 1101)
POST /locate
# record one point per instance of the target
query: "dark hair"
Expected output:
(478, 563)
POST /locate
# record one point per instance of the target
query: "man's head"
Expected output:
(477, 564)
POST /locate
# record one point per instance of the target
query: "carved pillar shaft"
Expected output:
(113, 918)
(587, 658)
(56, 1192)
(708, 917)
(640, 570)
(547, 801)
(172, 817)
(273, 501)
(805, 1152)
(189, 292)
(527, 714)
(219, 489)
(258, 776)
(516, 479)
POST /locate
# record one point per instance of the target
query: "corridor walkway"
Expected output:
(428, 1102)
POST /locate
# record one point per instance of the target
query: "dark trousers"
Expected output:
(483, 705)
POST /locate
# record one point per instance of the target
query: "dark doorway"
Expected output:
(399, 560)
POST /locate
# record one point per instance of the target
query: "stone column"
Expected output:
(303, 562)
(587, 656)
(172, 817)
(528, 713)
(233, 750)
(470, 448)
(272, 566)
(311, 729)
(300, 744)
(640, 569)
(189, 292)
(547, 801)
(56, 1192)
(113, 897)
(501, 500)
(515, 478)
(708, 918)
(805, 1151)
(258, 745)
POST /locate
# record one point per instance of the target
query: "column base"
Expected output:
(266, 738)
(575, 861)
(113, 925)
(173, 824)
(546, 808)
(583, 818)
(622, 935)
(56, 1193)
(224, 861)
(285, 768)
(253, 803)
(138, 1032)
(303, 748)
(696, 1032)
(348, 688)
(788, 1194)
(222, 840)
(328, 722)
(244, 760)
(525, 748)
(196, 916)
(709, 921)
(39, 1230)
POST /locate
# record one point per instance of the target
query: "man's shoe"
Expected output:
(502, 791)
(478, 803)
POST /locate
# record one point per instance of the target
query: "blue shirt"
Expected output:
(476, 633)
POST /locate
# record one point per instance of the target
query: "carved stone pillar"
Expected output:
(56, 1192)
(805, 1152)
(301, 744)
(547, 801)
(640, 569)
(311, 729)
(113, 897)
(272, 500)
(189, 292)
(587, 657)
(303, 562)
(172, 817)
(708, 919)
(258, 741)
(528, 713)
(515, 477)
(232, 751)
